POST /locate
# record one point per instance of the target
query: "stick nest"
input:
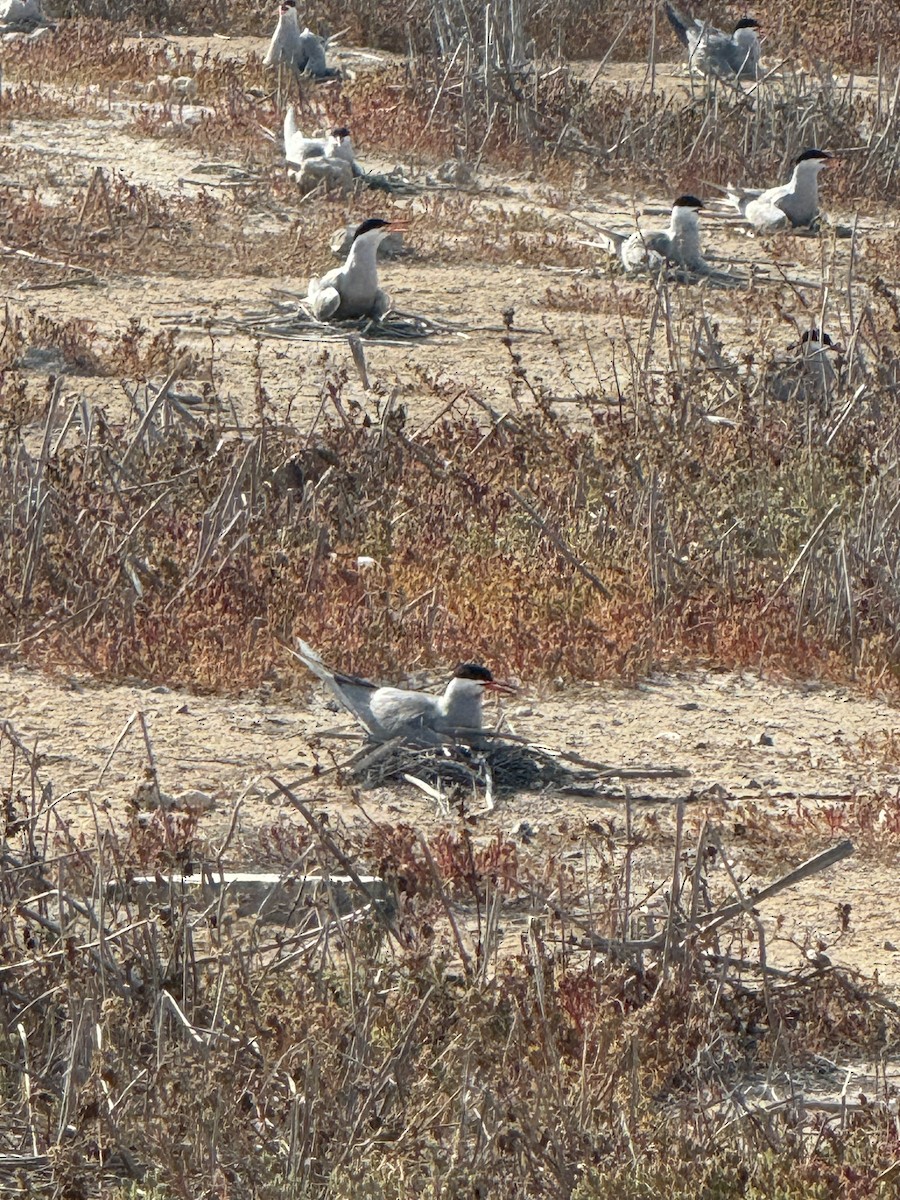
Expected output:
(491, 766)
(290, 320)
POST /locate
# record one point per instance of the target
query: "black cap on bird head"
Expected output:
(476, 671)
(813, 335)
(746, 23)
(370, 226)
(813, 156)
(687, 202)
(341, 132)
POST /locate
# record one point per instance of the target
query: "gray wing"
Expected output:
(726, 53)
(637, 252)
(395, 708)
(352, 693)
(611, 240)
(313, 148)
(332, 278)
(311, 57)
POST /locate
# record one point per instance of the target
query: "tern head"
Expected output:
(473, 676)
(813, 160)
(688, 202)
(813, 341)
(685, 212)
(288, 6)
(375, 229)
(746, 23)
(340, 133)
(813, 335)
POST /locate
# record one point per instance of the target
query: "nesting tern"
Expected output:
(352, 290)
(712, 52)
(389, 712)
(807, 373)
(677, 246)
(337, 144)
(795, 203)
(297, 48)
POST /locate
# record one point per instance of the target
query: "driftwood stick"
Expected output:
(119, 740)
(15, 252)
(819, 862)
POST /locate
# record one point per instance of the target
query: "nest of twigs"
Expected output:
(491, 766)
(290, 320)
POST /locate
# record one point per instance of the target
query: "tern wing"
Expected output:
(311, 57)
(647, 251)
(764, 215)
(396, 709)
(610, 240)
(778, 196)
(742, 197)
(325, 294)
(764, 210)
(729, 53)
(296, 146)
(352, 693)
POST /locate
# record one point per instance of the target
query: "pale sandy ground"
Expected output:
(750, 745)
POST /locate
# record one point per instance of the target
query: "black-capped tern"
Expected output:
(795, 203)
(352, 290)
(807, 373)
(389, 712)
(337, 144)
(712, 52)
(677, 246)
(297, 48)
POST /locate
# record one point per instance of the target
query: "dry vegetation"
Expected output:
(682, 515)
(845, 36)
(601, 1046)
(178, 548)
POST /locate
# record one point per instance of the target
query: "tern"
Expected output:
(338, 144)
(389, 712)
(678, 246)
(795, 203)
(296, 47)
(712, 52)
(21, 12)
(352, 290)
(806, 373)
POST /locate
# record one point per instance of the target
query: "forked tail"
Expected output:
(678, 23)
